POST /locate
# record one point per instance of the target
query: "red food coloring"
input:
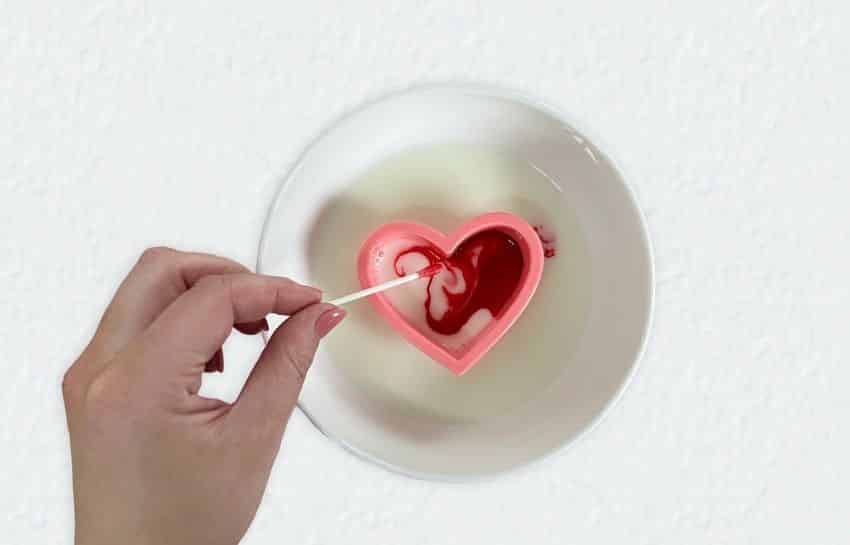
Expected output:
(548, 239)
(491, 265)
(430, 270)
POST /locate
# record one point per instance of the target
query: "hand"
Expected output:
(154, 462)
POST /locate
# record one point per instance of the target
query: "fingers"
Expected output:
(272, 388)
(187, 334)
(159, 277)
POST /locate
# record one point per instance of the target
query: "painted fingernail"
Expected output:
(329, 320)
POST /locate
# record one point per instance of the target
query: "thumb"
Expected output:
(272, 388)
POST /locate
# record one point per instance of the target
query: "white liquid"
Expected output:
(443, 186)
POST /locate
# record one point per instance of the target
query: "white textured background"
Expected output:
(128, 124)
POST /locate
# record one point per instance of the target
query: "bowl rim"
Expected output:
(602, 146)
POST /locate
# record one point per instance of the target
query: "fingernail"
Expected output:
(329, 320)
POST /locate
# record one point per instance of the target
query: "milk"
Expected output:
(444, 185)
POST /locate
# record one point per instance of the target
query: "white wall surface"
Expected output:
(129, 124)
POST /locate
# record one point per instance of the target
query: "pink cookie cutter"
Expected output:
(457, 361)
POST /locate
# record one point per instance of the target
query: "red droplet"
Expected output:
(548, 239)
(430, 270)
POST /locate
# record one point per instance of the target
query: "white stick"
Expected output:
(376, 289)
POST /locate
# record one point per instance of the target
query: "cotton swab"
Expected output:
(427, 272)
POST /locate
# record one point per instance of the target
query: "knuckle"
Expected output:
(156, 254)
(96, 393)
(70, 384)
(104, 395)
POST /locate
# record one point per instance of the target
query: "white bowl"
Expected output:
(605, 347)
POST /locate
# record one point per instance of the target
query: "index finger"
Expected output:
(192, 328)
(157, 279)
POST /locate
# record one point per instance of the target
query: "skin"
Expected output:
(153, 461)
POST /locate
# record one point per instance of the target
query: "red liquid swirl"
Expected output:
(491, 263)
